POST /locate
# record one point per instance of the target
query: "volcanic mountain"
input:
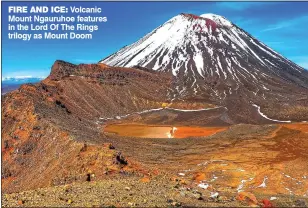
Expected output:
(190, 72)
(212, 59)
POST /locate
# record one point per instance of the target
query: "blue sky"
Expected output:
(280, 25)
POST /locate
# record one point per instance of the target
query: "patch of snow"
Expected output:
(214, 194)
(124, 116)
(218, 19)
(264, 116)
(219, 64)
(263, 184)
(241, 186)
(182, 110)
(199, 63)
(290, 192)
(214, 178)
(203, 185)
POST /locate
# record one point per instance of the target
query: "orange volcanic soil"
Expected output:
(303, 127)
(275, 164)
(150, 131)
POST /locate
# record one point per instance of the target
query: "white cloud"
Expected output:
(23, 74)
(21, 77)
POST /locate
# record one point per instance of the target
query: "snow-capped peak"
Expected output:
(217, 18)
(208, 53)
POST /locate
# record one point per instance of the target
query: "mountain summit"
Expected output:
(205, 46)
(211, 58)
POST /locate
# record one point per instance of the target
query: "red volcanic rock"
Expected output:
(46, 126)
(60, 69)
(212, 24)
(208, 22)
(267, 203)
(191, 16)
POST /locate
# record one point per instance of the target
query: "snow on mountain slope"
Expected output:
(210, 56)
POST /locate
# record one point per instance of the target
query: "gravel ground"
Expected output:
(131, 191)
(127, 191)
